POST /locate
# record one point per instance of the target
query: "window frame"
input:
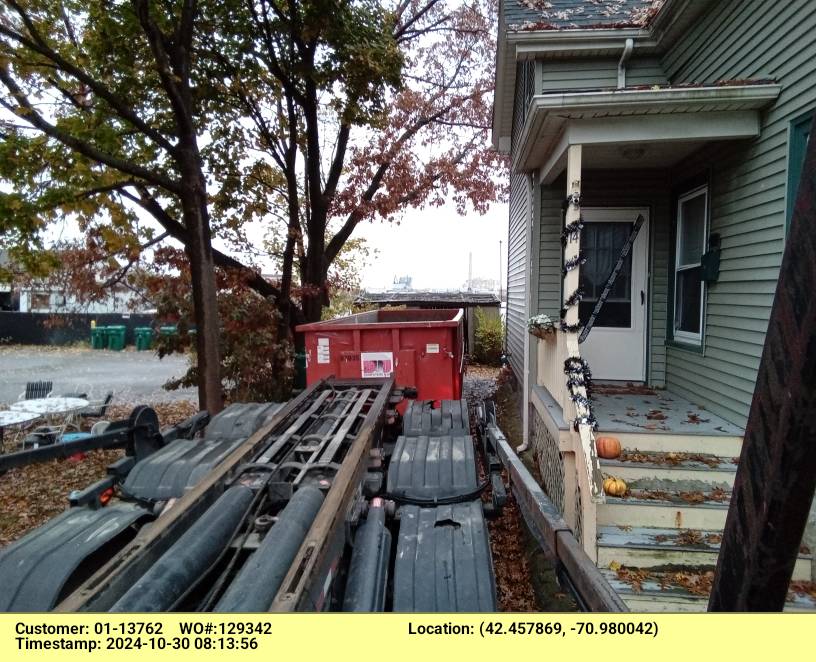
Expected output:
(796, 154)
(678, 335)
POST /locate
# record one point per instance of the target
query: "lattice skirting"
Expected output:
(549, 460)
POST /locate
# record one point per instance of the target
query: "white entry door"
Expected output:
(616, 346)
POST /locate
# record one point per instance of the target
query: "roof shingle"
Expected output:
(526, 15)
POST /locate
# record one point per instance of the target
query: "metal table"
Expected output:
(52, 409)
(49, 406)
(13, 417)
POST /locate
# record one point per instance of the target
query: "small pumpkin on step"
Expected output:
(609, 448)
(614, 487)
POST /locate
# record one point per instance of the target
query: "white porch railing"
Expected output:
(562, 372)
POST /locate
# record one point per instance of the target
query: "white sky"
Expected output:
(432, 246)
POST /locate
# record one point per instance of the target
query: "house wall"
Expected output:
(602, 188)
(590, 74)
(741, 39)
(519, 224)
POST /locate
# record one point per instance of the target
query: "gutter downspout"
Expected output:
(627, 53)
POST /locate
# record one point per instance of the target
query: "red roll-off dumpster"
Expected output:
(422, 348)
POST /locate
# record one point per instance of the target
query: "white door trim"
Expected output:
(640, 278)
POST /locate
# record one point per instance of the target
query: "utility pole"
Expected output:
(776, 478)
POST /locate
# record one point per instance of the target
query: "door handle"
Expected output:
(642, 297)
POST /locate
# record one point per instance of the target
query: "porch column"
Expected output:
(577, 409)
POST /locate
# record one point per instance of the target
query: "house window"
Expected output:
(40, 301)
(799, 136)
(692, 212)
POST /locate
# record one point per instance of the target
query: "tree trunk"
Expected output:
(202, 272)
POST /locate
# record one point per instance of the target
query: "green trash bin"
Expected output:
(168, 330)
(144, 338)
(116, 337)
(98, 337)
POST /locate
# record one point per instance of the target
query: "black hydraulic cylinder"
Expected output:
(190, 557)
(368, 572)
(255, 586)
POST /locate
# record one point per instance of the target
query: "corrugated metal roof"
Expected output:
(415, 298)
(579, 14)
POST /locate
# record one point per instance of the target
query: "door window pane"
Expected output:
(602, 244)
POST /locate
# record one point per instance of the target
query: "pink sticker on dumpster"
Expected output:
(377, 364)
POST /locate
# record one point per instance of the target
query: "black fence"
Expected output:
(63, 328)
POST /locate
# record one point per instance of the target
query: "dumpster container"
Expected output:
(144, 338)
(169, 330)
(116, 337)
(421, 348)
(98, 337)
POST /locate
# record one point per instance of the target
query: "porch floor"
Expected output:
(639, 409)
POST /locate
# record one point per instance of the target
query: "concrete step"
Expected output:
(653, 596)
(644, 547)
(669, 513)
(671, 470)
(727, 446)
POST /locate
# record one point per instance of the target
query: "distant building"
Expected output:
(469, 301)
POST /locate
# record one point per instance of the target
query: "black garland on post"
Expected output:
(572, 232)
(572, 300)
(573, 263)
(576, 369)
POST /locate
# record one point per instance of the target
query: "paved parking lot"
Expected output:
(133, 376)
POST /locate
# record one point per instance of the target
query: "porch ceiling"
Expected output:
(620, 128)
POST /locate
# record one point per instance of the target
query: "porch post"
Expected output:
(577, 409)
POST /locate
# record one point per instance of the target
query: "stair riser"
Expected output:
(678, 443)
(669, 517)
(660, 604)
(652, 603)
(651, 558)
(632, 472)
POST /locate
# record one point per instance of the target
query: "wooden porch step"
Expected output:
(645, 547)
(694, 470)
(650, 595)
(726, 446)
(671, 513)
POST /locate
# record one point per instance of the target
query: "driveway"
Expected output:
(132, 376)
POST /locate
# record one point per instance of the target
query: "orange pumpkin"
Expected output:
(614, 487)
(609, 448)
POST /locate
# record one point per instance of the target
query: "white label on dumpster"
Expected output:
(377, 364)
(323, 354)
(432, 348)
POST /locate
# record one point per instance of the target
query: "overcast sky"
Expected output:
(432, 246)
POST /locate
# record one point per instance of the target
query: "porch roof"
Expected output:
(610, 124)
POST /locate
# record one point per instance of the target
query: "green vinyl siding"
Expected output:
(618, 188)
(519, 222)
(749, 188)
(590, 74)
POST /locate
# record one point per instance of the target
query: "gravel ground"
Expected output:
(514, 587)
(525, 577)
(132, 376)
